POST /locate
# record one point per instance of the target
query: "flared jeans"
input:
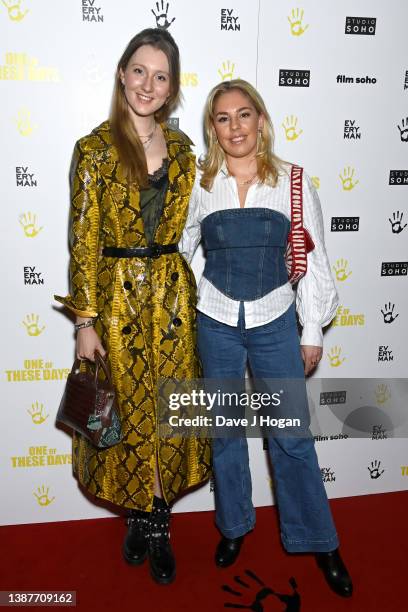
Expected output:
(272, 352)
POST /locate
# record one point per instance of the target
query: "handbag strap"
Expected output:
(296, 202)
(100, 362)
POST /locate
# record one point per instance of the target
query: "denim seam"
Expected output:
(334, 537)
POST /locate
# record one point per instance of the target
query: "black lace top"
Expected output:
(152, 200)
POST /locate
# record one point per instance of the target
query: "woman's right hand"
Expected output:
(87, 343)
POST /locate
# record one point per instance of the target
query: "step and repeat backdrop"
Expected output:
(335, 80)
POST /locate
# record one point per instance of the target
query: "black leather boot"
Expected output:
(227, 551)
(335, 572)
(162, 562)
(135, 544)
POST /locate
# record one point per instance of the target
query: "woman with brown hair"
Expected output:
(241, 209)
(133, 294)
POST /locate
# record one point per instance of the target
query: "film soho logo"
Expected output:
(360, 25)
(294, 78)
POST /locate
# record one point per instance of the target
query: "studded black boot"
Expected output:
(162, 562)
(135, 544)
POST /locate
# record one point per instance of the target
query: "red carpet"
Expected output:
(85, 556)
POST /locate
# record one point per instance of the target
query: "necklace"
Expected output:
(247, 182)
(147, 140)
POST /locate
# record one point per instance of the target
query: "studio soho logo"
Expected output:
(91, 12)
(15, 9)
(398, 177)
(332, 398)
(228, 21)
(394, 268)
(361, 25)
(294, 78)
(345, 224)
(24, 178)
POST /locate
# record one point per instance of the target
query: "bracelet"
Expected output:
(89, 323)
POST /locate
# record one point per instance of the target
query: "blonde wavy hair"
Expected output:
(124, 135)
(269, 165)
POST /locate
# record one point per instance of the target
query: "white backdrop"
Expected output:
(349, 129)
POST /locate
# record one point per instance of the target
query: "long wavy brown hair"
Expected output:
(269, 165)
(125, 137)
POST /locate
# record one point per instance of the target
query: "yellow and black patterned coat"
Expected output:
(146, 318)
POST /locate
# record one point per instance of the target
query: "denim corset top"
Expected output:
(245, 251)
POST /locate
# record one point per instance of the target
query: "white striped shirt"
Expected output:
(316, 295)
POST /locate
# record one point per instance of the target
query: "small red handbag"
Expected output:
(299, 242)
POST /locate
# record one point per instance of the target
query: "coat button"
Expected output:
(177, 322)
(127, 285)
(174, 276)
(126, 330)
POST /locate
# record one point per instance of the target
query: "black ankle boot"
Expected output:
(135, 544)
(335, 572)
(227, 551)
(162, 562)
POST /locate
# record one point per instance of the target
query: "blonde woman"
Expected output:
(240, 208)
(133, 293)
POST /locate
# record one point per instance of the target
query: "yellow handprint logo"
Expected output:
(24, 125)
(315, 181)
(226, 72)
(334, 357)
(347, 179)
(28, 222)
(340, 270)
(36, 413)
(290, 127)
(14, 10)
(31, 325)
(295, 19)
(382, 394)
(42, 497)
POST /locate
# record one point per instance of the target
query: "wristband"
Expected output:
(89, 323)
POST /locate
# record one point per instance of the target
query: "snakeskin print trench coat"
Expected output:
(146, 319)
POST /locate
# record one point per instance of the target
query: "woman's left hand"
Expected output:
(311, 356)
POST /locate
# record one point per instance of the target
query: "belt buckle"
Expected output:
(157, 250)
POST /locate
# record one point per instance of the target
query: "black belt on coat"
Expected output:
(154, 251)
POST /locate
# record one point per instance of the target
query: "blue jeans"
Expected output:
(273, 351)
